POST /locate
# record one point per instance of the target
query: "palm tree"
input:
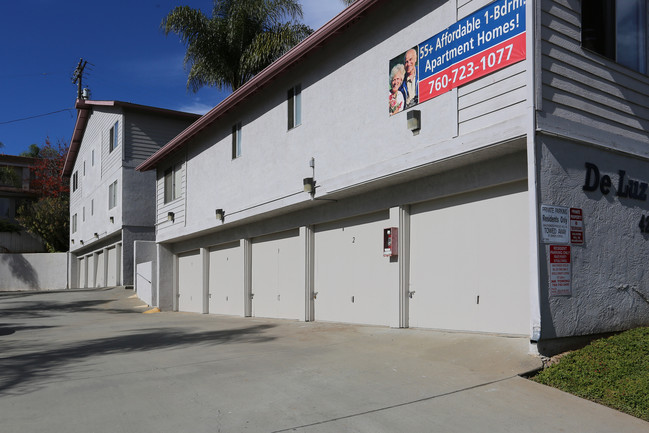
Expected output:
(240, 39)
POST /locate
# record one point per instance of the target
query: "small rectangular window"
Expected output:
(616, 29)
(74, 223)
(92, 207)
(173, 183)
(83, 214)
(93, 158)
(84, 168)
(112, 195)
(75, 181)
(113, 137)
(236, 140)
(294, 103)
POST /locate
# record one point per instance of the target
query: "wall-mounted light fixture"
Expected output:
(309, 185)
(81, 242)
(220, 215)
(96, 235)
(170, 216)
(414, 121)
(72, 240)
(112, 220)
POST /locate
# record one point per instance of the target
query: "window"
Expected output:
(173, 183)
(92, 207)
(112, 195)
(75, 181)
(616, 29)
(112, 137)
(83, 214)
(294, 103)
(74, 223)
(236, 140)
(84, 168)
(93, 158)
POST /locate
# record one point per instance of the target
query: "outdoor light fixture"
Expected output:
(112, 220)
(81, 242)
(414, 121)
(220, 215)
(96, 235)
(170, 216)
(72, 240)
(309, 185)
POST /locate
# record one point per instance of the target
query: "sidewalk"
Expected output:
(89, 361)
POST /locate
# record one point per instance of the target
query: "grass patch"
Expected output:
(612, 371)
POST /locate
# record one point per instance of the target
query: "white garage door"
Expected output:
(90, 270)
(112, 267)
(469, 262)
(352, 278)
(101, 269)
(82, 272)
(226, 280)
(190, 282)
(278, 282)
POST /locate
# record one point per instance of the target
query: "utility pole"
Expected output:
(77, 77)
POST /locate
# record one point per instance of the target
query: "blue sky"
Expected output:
(129, 59)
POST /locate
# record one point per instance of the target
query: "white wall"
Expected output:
(345, 125)
(39, 271)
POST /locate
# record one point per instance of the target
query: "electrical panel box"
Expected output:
(390, 242)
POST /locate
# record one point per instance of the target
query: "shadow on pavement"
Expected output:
(40, 309)
(22, 374)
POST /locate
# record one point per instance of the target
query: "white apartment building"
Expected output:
(510, 197)
(110, 204)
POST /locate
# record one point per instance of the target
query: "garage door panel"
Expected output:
(226, 283)
(353, 280)
(190, 282)
(278, 276)
(90, 271)
(466, 265)
(112, 267)
(82, 272)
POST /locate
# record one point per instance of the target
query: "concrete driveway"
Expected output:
(89, 361)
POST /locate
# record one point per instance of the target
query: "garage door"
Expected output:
(90, 270)
(101, 269)
(82, 272)
(278, 282)
(352, 278)
(468, 263)
(112, 267)
(226, 280)
(190, 282)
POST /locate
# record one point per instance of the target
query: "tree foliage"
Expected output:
(48, 217)
(33, 151)
(240, 39)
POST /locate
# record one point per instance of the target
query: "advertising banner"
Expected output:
(484, 42)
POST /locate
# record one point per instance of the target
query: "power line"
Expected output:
(37, 115)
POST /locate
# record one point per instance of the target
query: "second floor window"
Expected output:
(616, 29)
(74, 223)
(173, 183)
(112, 195)
(294, 102)
(113, 137)
(75, 181)
(236, 140)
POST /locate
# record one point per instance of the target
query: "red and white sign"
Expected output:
(560, 271)
(576, 226)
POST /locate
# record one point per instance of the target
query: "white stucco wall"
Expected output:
(38, 271)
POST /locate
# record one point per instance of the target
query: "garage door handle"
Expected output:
(252, 295)
(410, 294)
(315, 295)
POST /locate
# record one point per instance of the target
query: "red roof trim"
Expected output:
(316, 40)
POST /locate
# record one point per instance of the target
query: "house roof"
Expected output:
(316, 40)
(84, 109)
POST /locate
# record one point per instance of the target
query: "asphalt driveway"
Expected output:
(90, 361)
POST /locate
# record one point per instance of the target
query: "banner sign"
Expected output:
(484, 42)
